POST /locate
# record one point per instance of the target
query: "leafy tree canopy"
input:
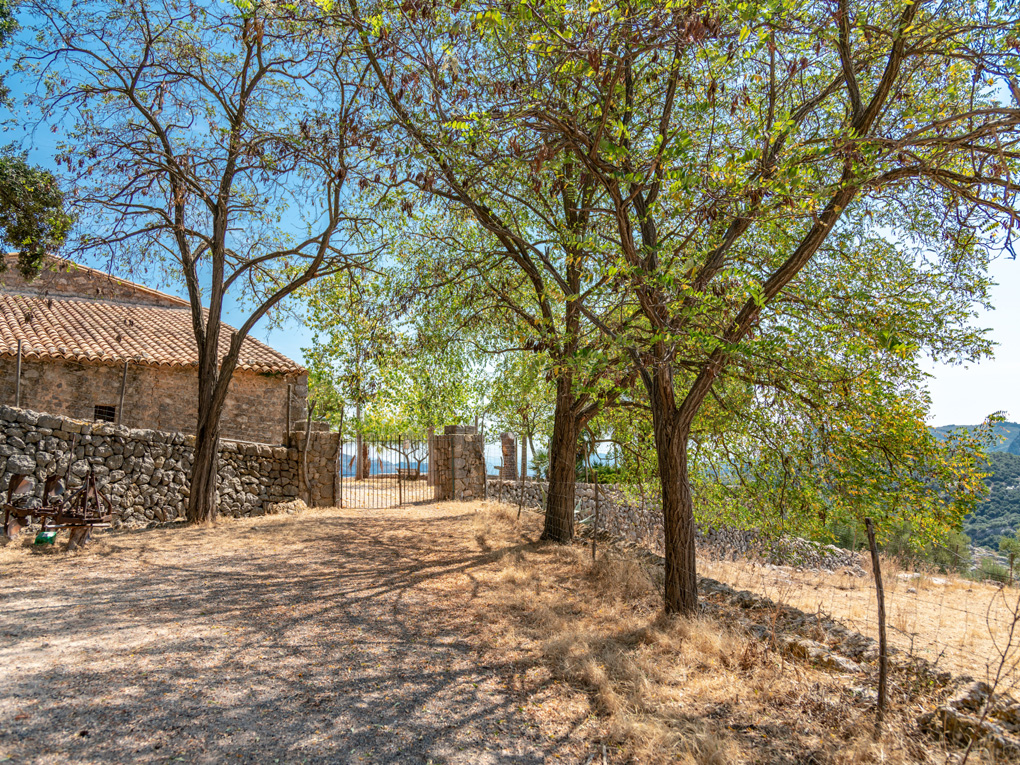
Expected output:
(33, 220)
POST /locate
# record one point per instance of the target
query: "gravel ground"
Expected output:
(330, 636)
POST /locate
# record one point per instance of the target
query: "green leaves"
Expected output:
(33, 220)
(493, 19)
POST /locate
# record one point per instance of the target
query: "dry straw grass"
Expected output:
(589, 648)
(673, 689)
(958, 624)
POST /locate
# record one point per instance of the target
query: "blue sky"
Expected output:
(960, 394)
(964, 395)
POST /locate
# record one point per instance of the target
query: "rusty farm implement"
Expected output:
(84, 509)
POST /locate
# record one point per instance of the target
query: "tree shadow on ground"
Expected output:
(336, 639)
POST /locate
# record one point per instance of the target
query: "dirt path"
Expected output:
(333, 636)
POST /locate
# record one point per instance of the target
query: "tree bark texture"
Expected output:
(559, 507)
(671, 433)
(204, 470)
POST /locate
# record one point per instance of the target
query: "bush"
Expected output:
(952, 554)
(845, 535)
(991, 570)
(610, 474)
(540, 464)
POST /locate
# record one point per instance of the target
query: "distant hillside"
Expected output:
(1000, 513)
(1014, 448)
(1007, 436)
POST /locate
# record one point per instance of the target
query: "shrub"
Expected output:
(992, 570)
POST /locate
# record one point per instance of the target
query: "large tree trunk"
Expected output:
(559, 506)
(677, 517)
(202, 500)
(671, 433)
(212, 394)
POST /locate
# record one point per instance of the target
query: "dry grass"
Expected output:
(451, 622)
(671, 689)
(329, 636)
(958, 624)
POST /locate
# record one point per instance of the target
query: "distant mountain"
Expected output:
(999, 514)
(1007, 436)
(1014, 448)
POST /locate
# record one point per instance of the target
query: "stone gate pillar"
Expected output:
(322, 461)
(508, 471)
(459, 455)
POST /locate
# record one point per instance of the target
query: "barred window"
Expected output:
(106, 413)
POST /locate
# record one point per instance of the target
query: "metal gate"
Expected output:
(390, 473)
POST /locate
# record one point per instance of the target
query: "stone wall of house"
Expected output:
(62, 277)
(626, 515)
(459, 457)
(145, 472)
(155, 397)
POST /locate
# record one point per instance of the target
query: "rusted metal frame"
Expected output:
(87, 508)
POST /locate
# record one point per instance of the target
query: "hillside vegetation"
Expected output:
(1006, 435)
(999, 514)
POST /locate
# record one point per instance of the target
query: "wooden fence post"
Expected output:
(304, 452)
(520, 482)
(123, 389)
(883, 654)
(338, 483)
(290, 397)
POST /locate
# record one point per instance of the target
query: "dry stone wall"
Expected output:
(145, 472)
(627, 515)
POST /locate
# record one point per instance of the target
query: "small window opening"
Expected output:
(106, 413)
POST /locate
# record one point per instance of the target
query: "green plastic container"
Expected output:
(45, 537)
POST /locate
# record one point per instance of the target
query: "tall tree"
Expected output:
(526, 244)
(733, 145)
(721, 148)
(221, 141)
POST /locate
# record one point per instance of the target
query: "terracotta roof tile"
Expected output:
(84, 329)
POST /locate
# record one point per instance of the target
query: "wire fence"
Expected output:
(958, 625)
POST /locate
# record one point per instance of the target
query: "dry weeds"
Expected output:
(672, 689)
(326, 637)
(446, 633)
(957, 624)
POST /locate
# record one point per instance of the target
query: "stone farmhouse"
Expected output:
(94, 347)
